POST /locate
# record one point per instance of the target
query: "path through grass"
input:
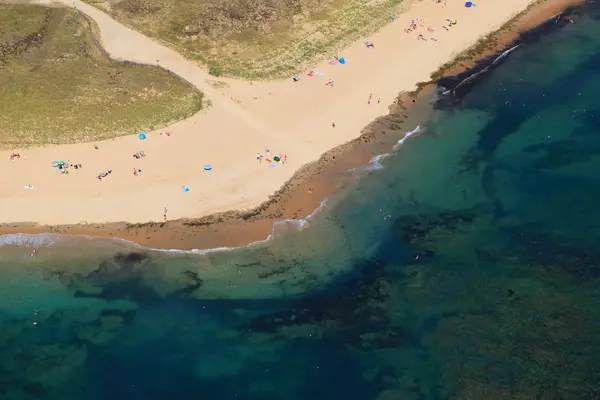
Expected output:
(255, 39)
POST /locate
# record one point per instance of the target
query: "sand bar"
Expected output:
(291, 118)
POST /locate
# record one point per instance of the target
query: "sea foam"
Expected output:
(40, 240)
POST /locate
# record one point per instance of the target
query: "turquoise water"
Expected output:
(465, 268)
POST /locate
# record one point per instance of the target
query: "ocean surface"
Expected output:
(463, 265)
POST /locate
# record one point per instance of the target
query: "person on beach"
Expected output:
(333, 124)
(165, 214)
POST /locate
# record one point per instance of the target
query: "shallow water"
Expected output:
(483, 282)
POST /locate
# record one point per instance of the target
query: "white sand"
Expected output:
(294, 118)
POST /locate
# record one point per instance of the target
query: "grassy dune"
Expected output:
(55, 87)
(254, 39)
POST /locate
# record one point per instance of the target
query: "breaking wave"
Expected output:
(42, 240)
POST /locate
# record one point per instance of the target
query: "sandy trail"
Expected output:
(289, 117)
(123, 43)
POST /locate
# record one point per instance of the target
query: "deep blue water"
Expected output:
(483, 283)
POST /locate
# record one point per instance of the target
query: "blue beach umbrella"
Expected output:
(185, 189)
(342, 61)
(142, 136)
(207, 168)
(469, 4)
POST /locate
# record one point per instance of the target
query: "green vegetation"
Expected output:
(55, 86)
(254, 39)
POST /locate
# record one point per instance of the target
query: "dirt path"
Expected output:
(123, 43)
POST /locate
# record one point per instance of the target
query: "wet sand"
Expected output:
(293, 201)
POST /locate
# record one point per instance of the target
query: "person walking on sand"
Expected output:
(165, 214)
(333, 124)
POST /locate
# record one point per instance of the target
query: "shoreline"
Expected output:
(291, 201)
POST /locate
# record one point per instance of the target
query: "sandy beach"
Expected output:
(293, 120)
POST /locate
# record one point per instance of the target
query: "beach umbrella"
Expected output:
(342, 61)
(185, 189)
(142, 136)
(469, 4)
(61, 163)
(276, 158)
(207, 168)
(55, 163)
